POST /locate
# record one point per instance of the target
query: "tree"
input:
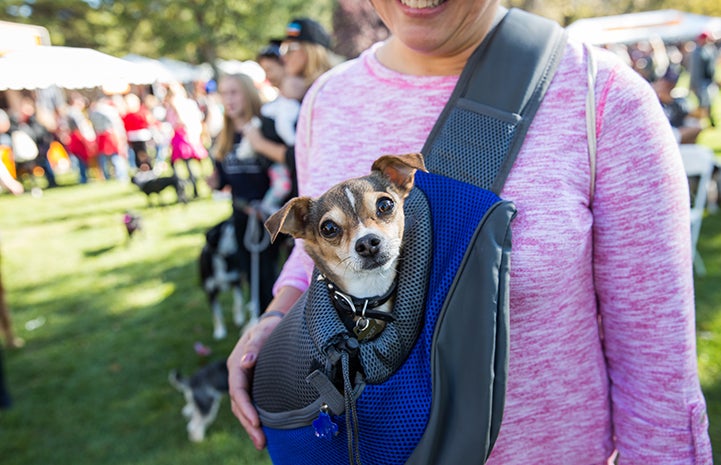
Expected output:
(565, 12)
(203, 30)
(190, 30)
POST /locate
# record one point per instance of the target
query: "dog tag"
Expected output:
(367, 328)
(324, 426)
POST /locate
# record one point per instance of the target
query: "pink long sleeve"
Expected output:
(575, 392)
(641, 239)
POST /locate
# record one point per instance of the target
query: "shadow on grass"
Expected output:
(100, 251)
(708, 291)
(112, 363)
(103, 326)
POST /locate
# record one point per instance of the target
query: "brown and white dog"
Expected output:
(353, 233)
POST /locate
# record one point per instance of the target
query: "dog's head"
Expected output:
(356, 227)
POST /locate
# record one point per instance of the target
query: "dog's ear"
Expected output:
(290, 219)
(400, 169)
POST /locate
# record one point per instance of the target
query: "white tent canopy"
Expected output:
(668, 25)
(40, 67)
(153, 67)
(186, 72)
(249, 67)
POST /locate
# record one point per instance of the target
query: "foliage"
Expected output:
(566, 12)
(191, 30)
(202, 30)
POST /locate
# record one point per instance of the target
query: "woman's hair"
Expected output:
(319, 61)
(252, 104)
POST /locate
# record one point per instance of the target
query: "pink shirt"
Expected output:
(572, 397)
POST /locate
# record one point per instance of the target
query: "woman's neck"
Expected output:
(396, 55)
(393, 55)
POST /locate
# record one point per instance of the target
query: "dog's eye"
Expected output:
(384, 206)
(329, 229)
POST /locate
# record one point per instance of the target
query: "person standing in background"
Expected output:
(186, 119)
(305, 53)
(245, 172)
(702, 69)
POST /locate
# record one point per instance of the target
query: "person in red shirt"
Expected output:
(81, 148)
(137, 127)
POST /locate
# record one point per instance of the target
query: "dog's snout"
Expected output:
(368, 245)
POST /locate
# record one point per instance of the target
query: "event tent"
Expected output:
(668, 25)
(41, 66)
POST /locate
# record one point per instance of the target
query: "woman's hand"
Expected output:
(241, 364)
(240, 374)
(273, 151)
(253, 135)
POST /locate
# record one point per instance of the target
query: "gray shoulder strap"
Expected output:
(476, 140)
(482, 127)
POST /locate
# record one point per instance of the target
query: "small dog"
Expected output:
(203, 392)
(133, 223)
(353, 233)
(220, 270)
(151, 183)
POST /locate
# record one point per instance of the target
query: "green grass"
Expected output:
(708, 301)
(105, 320)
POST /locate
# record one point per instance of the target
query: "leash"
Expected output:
(255, 240)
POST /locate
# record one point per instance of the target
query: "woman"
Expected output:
(577, 392)
(306, 55)
(243, 170)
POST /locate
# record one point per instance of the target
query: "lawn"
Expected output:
(105, 319)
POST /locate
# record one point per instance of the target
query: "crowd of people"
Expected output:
(114, 136)
(687, 107)
(250, 137)
(109, 136)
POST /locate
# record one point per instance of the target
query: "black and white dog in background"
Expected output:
(203, 392)
(152, 184)
(220, 271)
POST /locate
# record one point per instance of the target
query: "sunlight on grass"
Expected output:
(105, 317)
(154, 294)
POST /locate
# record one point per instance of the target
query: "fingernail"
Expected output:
(248, 358)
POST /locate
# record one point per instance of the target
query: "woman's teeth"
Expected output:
(422, 3)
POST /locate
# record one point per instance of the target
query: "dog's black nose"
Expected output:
(368, 245)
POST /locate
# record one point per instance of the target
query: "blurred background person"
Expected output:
(702, 68)
(136, 121)
(111, 139)
(40, 128)
(676, 107)
(186, 119)
(244, 171)
(305, 54)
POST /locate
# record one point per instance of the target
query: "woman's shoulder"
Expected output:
(615, 81)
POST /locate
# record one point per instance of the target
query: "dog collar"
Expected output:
(363, 308)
